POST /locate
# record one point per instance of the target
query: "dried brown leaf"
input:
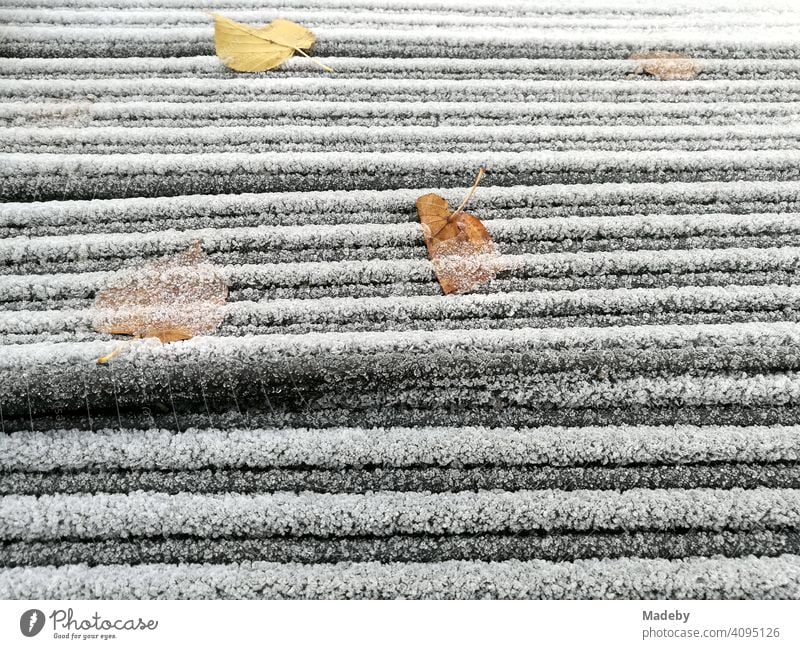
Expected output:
(667, 66)
(459, 246)
(172, 299)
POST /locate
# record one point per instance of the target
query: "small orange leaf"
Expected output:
(171, 299)
(460, 248)
(667, 66)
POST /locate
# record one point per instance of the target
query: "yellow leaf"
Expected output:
(256, 49)
(285, 32)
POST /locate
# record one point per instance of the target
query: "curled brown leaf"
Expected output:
(459, 246)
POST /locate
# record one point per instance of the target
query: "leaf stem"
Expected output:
(322, 65)
(481, 171)
(104, 359)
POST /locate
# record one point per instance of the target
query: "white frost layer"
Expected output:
(410, 67)
(124, 245)
(688, 299)
(392, 112)
(478, 6)
(400, 162)
(552, 265)
(384, 513)
(383, 206)
(266, 89)
(411, 16)
(327, 133)
(692, 578)
(397, 447)
(285, 346)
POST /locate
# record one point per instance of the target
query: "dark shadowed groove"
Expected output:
(321, 380)
(564, 322)
(51, 182)
(434, 479)
(487, 547)
(52, 43)
(158, 414)
(81, 298)
(255, 253)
